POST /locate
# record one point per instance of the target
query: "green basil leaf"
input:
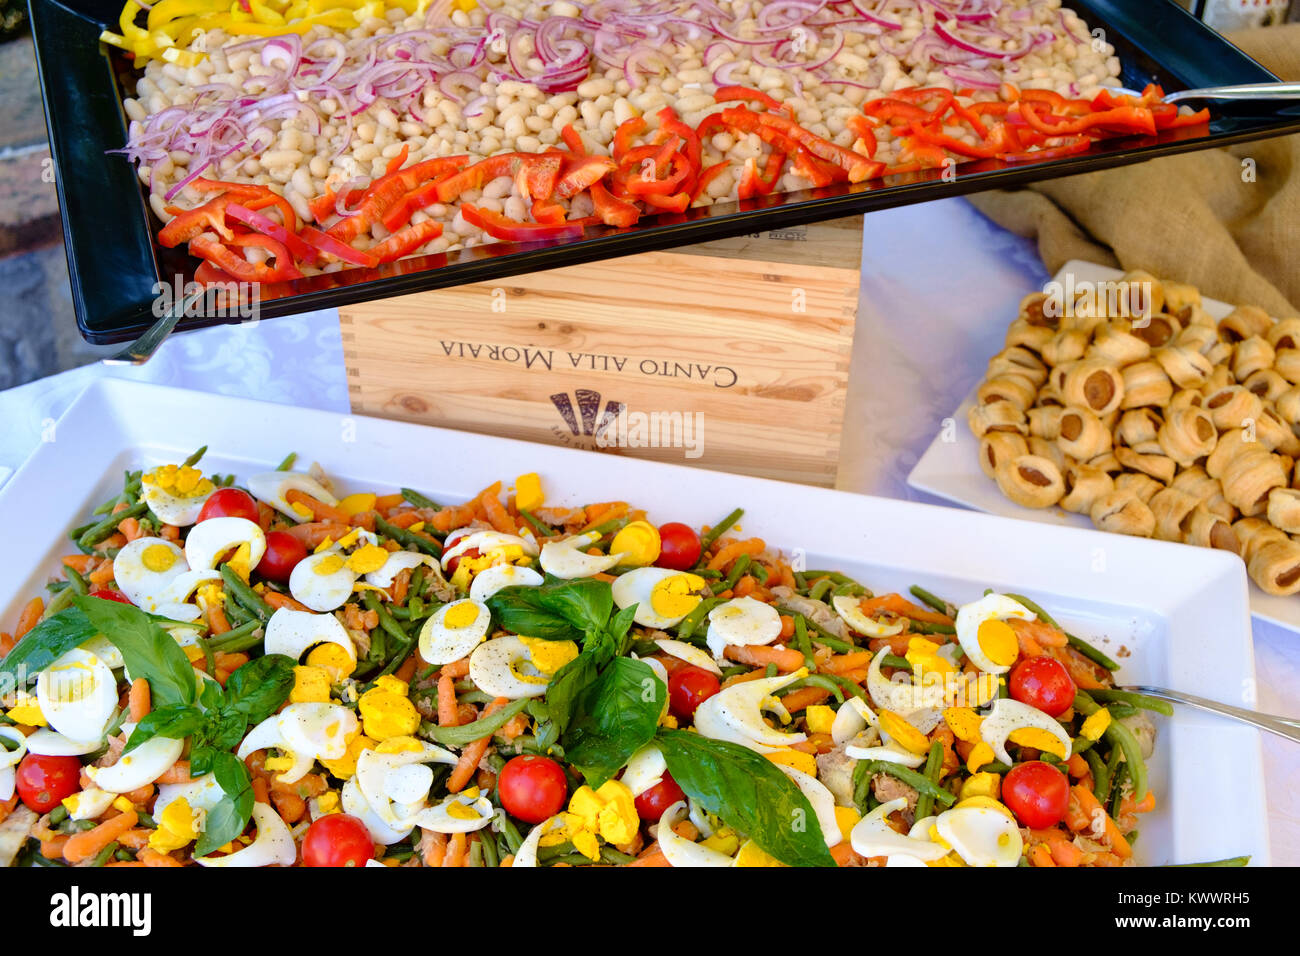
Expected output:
(149, 651)
(227, 729)
(176, 722)
(211, 697)
(585, 602)
(619, 625)
(568, 682)
(42, 646)
(749, 793)
(557, 610)
(615, 715)
(257, 689)
(202, 755)
(230, 816)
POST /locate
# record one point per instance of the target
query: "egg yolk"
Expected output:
(639, 543)
(332, 659)
(158, 558)
(387, 711)
(329, 564)
(998, 641)
(367, 559)
(678, 595)
(459, 810)
(1038, 739)
(903, 733)
(180, 482)
(356, 504)
(176, 827)
(528, 492)
(462, 615)
(964, 723)
(549, 656)
(923, 655)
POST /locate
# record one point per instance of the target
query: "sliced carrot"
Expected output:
(804, 697)
(457, 669)
(140, 700)
(52, 848)
(651, 856)
(734, 549)
(385, 502)
(755, 655)
(787, 627)
(433, 847)
(497, 515)
(456, 850)
(1083, 810)
(83, 846)
(179, 772)
(29, 618)
(447, 714)
(473, 753)
(102, 574)
(401, 584)
(451, 518)
(312, 533)
(1043, 633)
(151, 857)
(217, 621)
(904, 608)
(7, 643)
(140, 796)
(130, 528)
(81, 563)
(1040, 855)
(278, 600)
(1077, 766)
(135, 839)
(843, 853)
(320, 511)
(261, 792)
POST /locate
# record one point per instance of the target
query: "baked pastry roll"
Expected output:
(1159, 467)
(1084, 484)
(1180, 296)
(1275, 567)
(1146, 293)
(1095, 385)
(1250, 356)
(1186, 367)
(1187, 434)
(1248, 479)
(1243, 322)
(1232, 443)
(1171, 508)
(1287, 406)
(1145, 383)
(1159, 330)
(1011, 388)
(1206, 529)
(1138, 428)
(1067, 345)
(997, 416)
(1185, 398)
(1144, 486)
(1267, 384)
(1025, 333)
(1034, 309)
(1082, 434)
(1107, 463)
(1231, 405)
(1018, 360)
(1199, 337)
(1286, 362)
(997, 447)
(1284, 509)
(1254, 533)
(1219, 354)
(1042, 448)
(1285, 333)
(1045, 422)
(1123, 512)
(1114, 342)
(1197, 483)
(1031, 481)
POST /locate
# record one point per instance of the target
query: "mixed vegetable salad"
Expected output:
(269, 674)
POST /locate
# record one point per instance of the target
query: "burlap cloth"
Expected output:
(1193, 218)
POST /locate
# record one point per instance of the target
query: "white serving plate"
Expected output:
(950, 470)
(1174, 616)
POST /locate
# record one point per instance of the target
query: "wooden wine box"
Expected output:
(731, 355)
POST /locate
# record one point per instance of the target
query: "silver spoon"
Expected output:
(1245, 91)
(143, 348)
(1282, 726)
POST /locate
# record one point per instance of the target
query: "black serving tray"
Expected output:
(114, 263)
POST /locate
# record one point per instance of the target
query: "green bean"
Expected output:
(76, 579)
(386, 625)
(823, 636)
(108, 526)
(691, 622)
(737, 569)
(195, 458)
(238, 638)
(1119, 735)
(1037, 609)
(1100, 775)
(491, 856)
(933, 768)
(925, 627)
(759, 571)
(826, 681)
(466, 734)
(60, 600)
(1082, 745)
(419, 500)
(800, 582)
(734, 670)
(717, 531)
(853, 589)
(770, 671)
(124, 855)
(511, 833)
(1117, 789)
(611, 855)
(893, 660)
(56, 587)
(1120, 710)
(861, 785)
(818, 590)
(209, 659)
(540, 526)
(287, 464)
(913, 779)
(147, 820)
(106, 854)
(245, 595)
(995, 766)
(1230, 861)
(845, 685)
(802, 643)
(408, 539)
(605, 527)
(476, 697)
(416, 586)
(1106, 695)
(235, 613)
(40, 859)
(58, 814)
(81, 826)
(937, 603)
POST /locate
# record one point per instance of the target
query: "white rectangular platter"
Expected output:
(950, 469)
(1174, 616)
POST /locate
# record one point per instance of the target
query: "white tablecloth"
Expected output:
(938, 281)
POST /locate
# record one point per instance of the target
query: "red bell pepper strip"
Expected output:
(186, 224)
(512, 230)
(547, 212)
(677, 202)
(573, 139)
(706, 177)
(207, 274)
(398, 161)
(1121, 120)
(624, 135)
(731, 94)
(239, 268)
(865, 132)
(406, 241)
(267, 227)
(752, 183)
(671, 125)
(1199, 118)
(611, 210)
(1077, 144)
(323, 242)
(260, 197)
(710, 126)
(483, 172)
(388, 190)
(581, 172)
(858, 167)
(536, 178)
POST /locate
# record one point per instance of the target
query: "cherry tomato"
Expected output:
(283, 552)
(43, 781)
(1042, 682)
(679, 547)
(1037, 793)
(337, 839)
(532, 788)
(689, 687)
(229, 503)
(108, 594)
(651, 804)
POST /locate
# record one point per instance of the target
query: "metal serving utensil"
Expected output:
(1282, 726)
(143, 348)
(1246, 91)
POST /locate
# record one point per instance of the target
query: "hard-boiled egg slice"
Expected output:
(853, 717)
(212, 542)
(849, 609)
(273, 845)
(293, 633)
(900, 694)
(491, 580)
(51, 743)
(201, 793)
(105, 650)
(355, 803)
(141, 766)
(873, 836)
(681, 852)
(409, 784)
(454, 631)
(322, 581)
(822, 801)
(891, 753)
(645, 769)
(77, 695)
(7, 782)
(984, 634)
(175, 509)
(494, 667)
(742, 621)
(14, 747)
(689, 653)
(527, 855)
(89, 803)
(271, 486)
(459, 813)
(662, 596)
(568, 559)
(981, 836)
(492, 544)
(373, 770)
(735, 713)
(1024, 725)
(319, 729)
(267, 734)
(176, 596)
(397, 562)
(145, 567)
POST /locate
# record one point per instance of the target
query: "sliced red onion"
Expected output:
(963, 44)
(475, 106)
(979, 79)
